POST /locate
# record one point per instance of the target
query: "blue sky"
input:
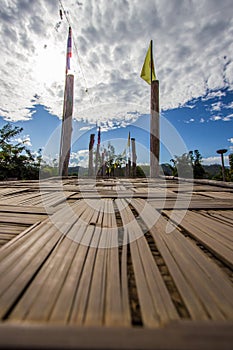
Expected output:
(204, 124)
(193, 53)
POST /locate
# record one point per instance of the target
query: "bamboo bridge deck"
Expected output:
(116, 264)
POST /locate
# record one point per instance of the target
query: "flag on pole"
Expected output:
(69, 50)
(148, 71)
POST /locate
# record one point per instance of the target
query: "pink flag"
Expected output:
(69, 50)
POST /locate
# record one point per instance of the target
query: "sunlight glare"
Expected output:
(50, 66)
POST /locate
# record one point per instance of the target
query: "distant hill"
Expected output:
(78, 171)
(212, 169)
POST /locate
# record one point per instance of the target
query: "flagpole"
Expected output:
(151, 61)
(154, 123)
(134, 157)
(148, 74)
(97, 160)
(65, 143)
(90, 165)
(129, 158)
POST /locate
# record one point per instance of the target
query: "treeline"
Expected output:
(18, 162)
(189, 165)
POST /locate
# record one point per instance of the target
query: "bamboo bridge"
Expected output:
(116, 264)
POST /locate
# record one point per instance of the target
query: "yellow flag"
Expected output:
(148, 66)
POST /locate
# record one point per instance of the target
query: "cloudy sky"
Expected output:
(193, 53)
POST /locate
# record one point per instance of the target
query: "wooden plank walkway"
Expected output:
(119, 256)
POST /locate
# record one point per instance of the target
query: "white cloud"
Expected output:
(215, 118)
(51, 160)
(230, 105)
(216, 106)
(230, 139)
(228, 118)
(79, 158)
(214, 94)
(202, 120)
(86, 128)
(191, 120)
(111, 56)
(190, 106)
(24, 139)
(229, 73)
(215, 160)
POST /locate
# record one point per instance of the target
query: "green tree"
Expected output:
(188, 165)
(198, 170)
(231, 166)
(139, 171)
(182, 166)
(114, 161)
(48, 170)
(16, 160)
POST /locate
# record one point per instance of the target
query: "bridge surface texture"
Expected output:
(116, 264)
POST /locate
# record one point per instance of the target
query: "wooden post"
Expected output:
(66, 131)
(97, 159)
(223, 168)
(91, 144)
(154, 130)
(126, 170)
(129, 167)
(103, 171)
(221, 152)
(134, 157)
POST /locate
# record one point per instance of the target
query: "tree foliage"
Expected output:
(198, 170)
(182, 166)
(114, 161)
(188, 165)
(16, 160)
(231, 166)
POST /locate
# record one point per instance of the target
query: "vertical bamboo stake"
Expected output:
(91, 145)
(97, 159)
(154, 124)
(103, 171)
(129, 167)
(134, 157)
(154, 130)
(66, 126)
(221, 152)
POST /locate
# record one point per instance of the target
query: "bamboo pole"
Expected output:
(154, 130)
(66, 131)
(134, 157)
(221, 152)
(154, 124)
(103, 171)
(91, 145)
(97, 159)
